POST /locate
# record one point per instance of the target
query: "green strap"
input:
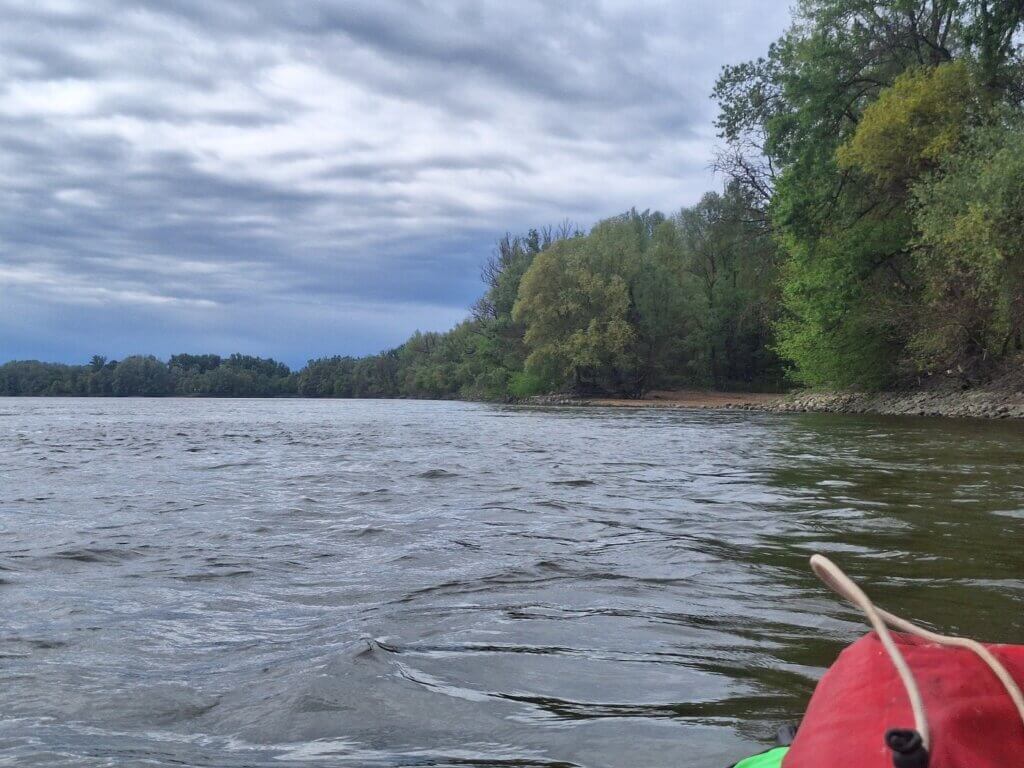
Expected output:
(770, 759)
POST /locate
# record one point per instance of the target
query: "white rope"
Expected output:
(880, 621)
(844, 586)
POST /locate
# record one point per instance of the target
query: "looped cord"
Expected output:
(834, 578)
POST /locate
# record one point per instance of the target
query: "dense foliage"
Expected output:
(884, 142)
(871, 231)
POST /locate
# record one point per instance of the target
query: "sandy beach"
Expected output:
(692, 398)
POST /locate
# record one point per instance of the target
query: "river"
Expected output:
(372, 583)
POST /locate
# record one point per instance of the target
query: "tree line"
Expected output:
(641, 300)
(870, 232)
(145, 375)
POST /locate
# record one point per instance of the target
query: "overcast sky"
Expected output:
(297, 179)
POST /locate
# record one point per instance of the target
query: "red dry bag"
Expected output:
(973, 722)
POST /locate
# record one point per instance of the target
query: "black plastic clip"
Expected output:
(907, 748)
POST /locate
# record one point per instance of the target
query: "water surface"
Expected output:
(364, 583)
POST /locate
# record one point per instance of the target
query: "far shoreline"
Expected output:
(998, 400)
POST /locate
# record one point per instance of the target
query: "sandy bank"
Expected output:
(681, 398)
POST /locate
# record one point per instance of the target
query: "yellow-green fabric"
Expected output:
(770, 759)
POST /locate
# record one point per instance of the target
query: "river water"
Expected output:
(369, 583)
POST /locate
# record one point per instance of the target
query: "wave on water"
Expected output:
(302, 582)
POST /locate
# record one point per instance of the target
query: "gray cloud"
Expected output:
(296, 178)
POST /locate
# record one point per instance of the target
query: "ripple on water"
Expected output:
(436, 474)
(402, 583)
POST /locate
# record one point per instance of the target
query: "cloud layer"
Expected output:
(306, 178)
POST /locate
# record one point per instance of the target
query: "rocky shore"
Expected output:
(973, 403)
(1001, 398)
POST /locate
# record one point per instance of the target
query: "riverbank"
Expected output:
(682, 398)
(1002, 398)
(988, 402)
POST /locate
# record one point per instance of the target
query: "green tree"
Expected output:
(575, 311)
(141, 375)
(731, 291)
(970, 214)
(912, 126)
(851, 108)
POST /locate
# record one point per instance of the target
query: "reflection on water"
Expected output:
(256, 583)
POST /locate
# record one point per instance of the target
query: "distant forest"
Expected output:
(870, 232)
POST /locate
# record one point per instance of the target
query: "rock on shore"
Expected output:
(969, 403)
(1001, 398)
